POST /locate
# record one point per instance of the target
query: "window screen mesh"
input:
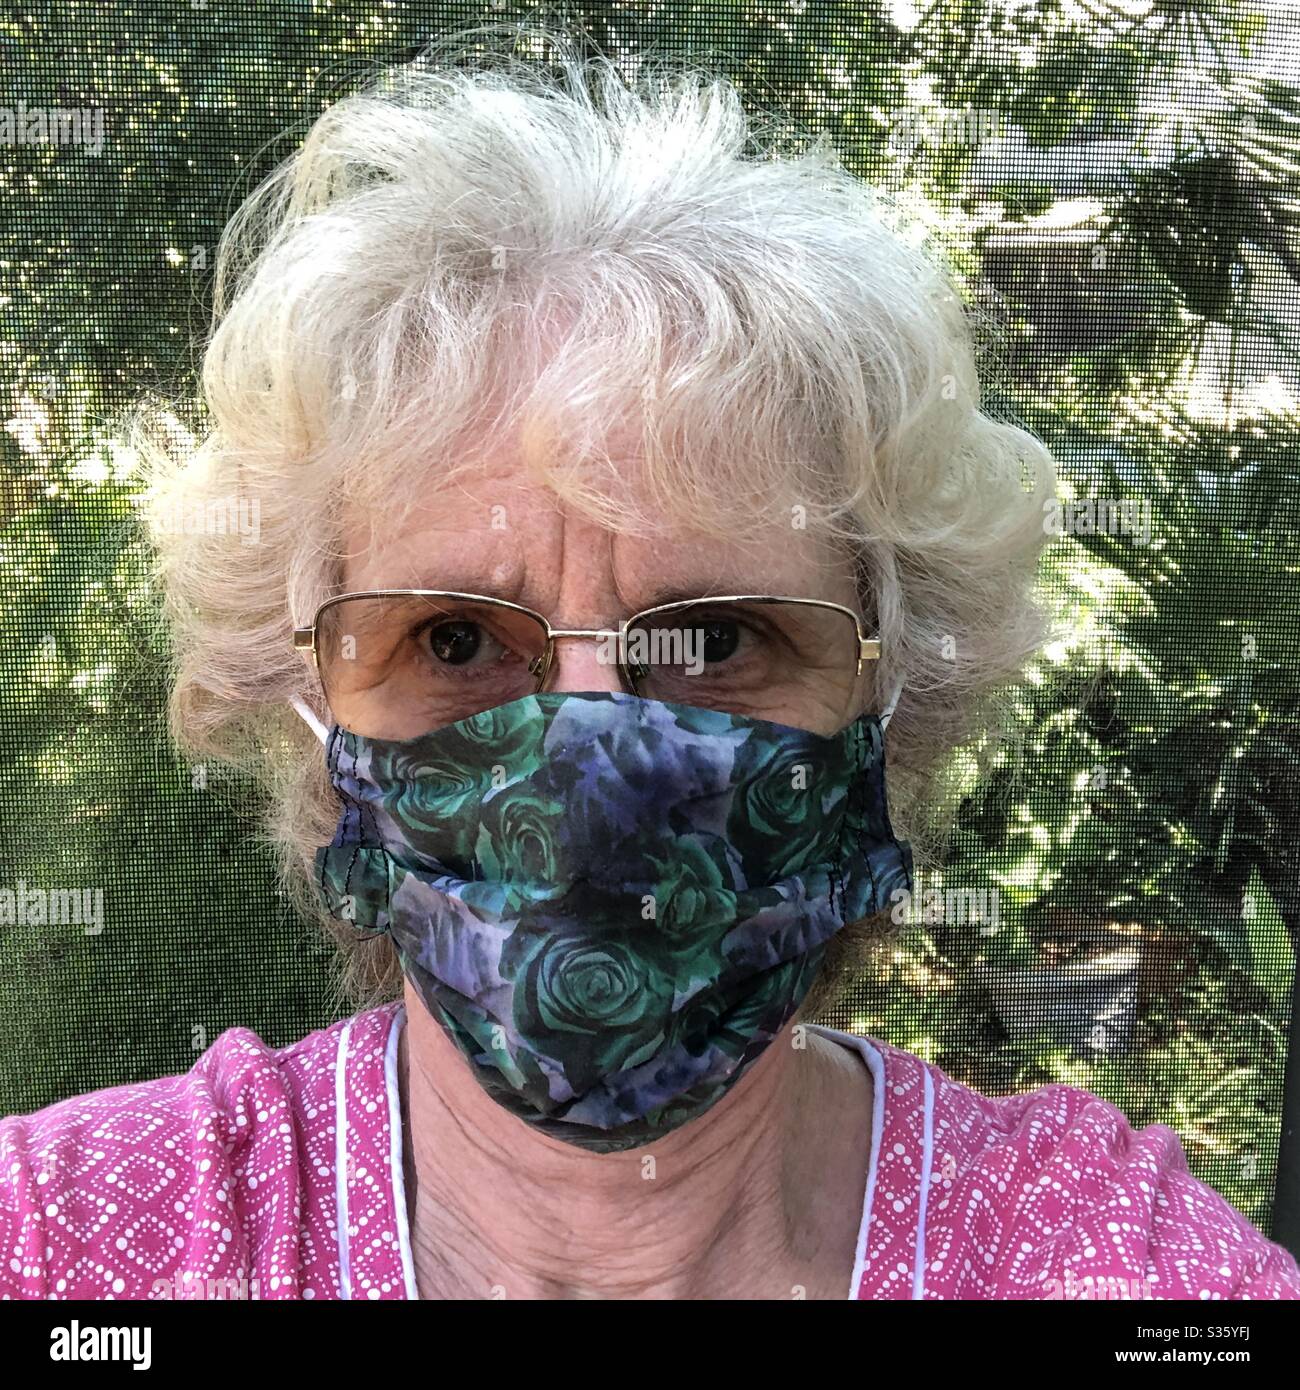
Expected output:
(1122, 898)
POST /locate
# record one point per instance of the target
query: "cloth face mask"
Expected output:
(611, 905)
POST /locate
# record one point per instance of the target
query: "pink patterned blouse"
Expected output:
(277, 1173)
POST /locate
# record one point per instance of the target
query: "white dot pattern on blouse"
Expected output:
(1046, 1195)
(237, 1180)
(219, 1183)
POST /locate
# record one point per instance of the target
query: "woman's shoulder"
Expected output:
(1052, 1193)
(133, 1190)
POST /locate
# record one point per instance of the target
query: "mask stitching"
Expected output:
(331, 760)
(366, 811)
(381, 848)
(840, 869)
(888, 824)
(354, 810)
(864, 793)
(339, 739)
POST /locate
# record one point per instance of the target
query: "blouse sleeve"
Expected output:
(128, 1192)
(1101, 1210)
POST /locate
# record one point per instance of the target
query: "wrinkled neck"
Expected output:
(745, 1187)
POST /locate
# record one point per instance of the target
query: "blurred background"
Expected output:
(1119, 184)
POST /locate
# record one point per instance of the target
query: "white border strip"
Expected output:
(392, 1084)
(341, 1160)
(927, 1163)
(876, 1062)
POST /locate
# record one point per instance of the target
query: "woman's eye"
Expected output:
(719, 639)
(455, 642)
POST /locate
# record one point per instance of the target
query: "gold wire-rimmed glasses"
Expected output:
(396, 663)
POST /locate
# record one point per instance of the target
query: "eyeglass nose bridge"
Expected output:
(540, 666)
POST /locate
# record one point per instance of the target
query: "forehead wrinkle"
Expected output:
(708, 570)
(442, 556)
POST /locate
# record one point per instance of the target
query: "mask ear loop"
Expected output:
(310, 719)
(888, 712)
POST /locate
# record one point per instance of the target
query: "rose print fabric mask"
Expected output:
(610, 904)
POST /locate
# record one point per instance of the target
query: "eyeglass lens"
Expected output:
(396, 666)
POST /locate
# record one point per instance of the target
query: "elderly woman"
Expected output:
(613, 486)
